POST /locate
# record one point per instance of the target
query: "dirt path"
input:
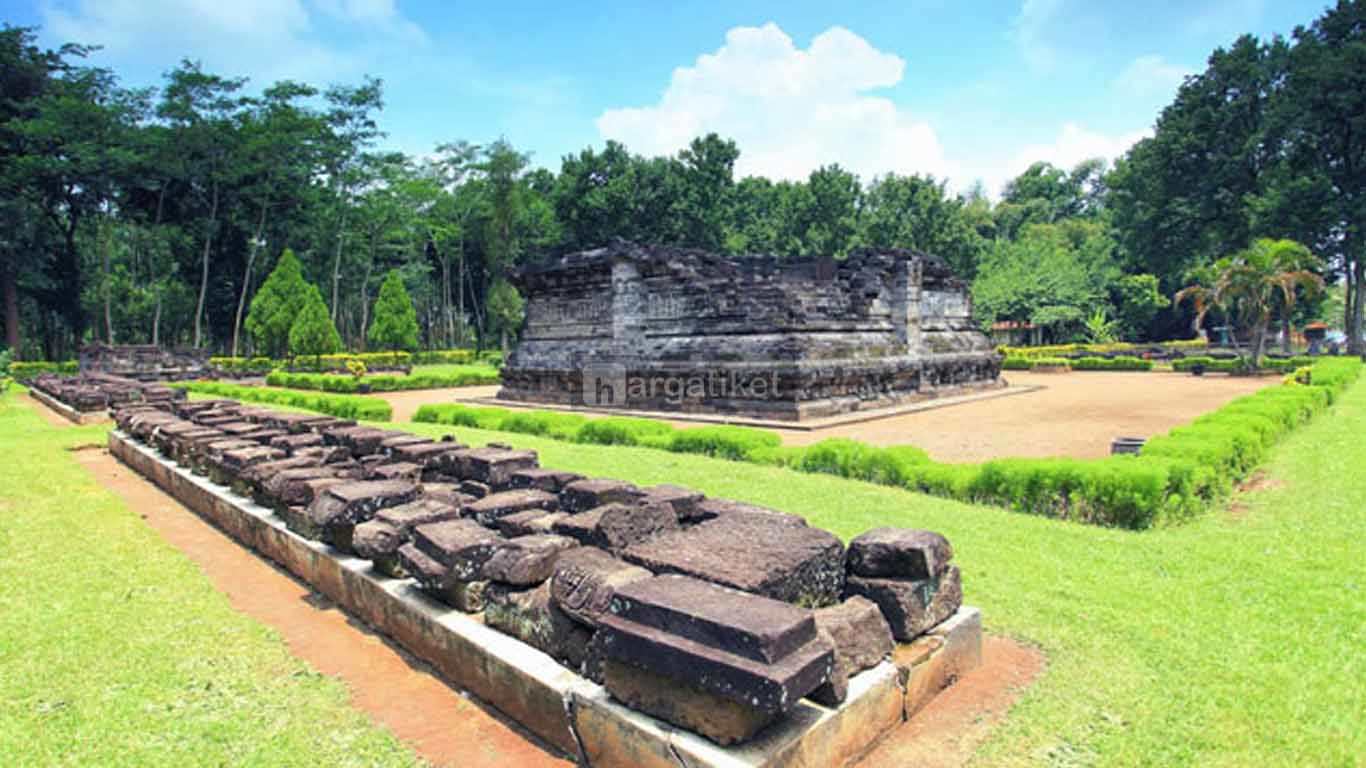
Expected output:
(947, 732)
(396, 690)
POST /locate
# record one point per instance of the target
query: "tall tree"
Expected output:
(353, 130)
(395, 325)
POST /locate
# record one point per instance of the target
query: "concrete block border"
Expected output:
(67, 412)
(567, 711)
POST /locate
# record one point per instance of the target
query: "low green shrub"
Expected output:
(381, 382)
(341, 406)
(1039, 363)
(624, 430)
(724, 441)
(561, 426)
(1118, 363)
(1014, 363)
(26, 370)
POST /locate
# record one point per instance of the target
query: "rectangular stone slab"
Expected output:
(757, 553)
(583, 495)
(461, 545)
(746, 625)
(586, 579)
(544, 479)
(498, 505)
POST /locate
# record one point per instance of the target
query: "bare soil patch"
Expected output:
(946, 733)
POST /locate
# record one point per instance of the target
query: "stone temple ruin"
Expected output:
(672, 329)
(622, 625)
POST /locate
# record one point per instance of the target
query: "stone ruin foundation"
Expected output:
(87, 397)
(144, 362)
(622, 625)
(671, 329)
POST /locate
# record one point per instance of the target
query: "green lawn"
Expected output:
(1233, 640)
(1237, 639)
(116, 650)
(456, 369)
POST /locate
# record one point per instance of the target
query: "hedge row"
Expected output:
(24, 370)
(341, 406)
(338, 363)
(1175, 477)
(1118, 363)
(382, 382)
(1055, 350)
(1238, 364)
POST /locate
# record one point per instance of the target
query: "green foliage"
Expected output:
(341, 406)
(1049, 363)
(373, 361)
(505, 306)
(24, 370)
(1100, 329)
(624, 430)
(1016, 363)
(1117, 363)
(723, 441)
(1137, 300)
(313, 332)
(394, 326)
(277, 304)
(474, 375)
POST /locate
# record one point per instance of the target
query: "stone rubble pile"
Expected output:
(713, 615)
(91, 392)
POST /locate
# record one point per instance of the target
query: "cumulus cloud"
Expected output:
(1030, 33)
(1148, 76)
(789, 109)
(265, 39)
(1073, 145)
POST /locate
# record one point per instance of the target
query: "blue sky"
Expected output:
(964, 90)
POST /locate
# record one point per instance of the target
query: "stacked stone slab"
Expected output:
(907, 573)
(96, 392)
(713, 615)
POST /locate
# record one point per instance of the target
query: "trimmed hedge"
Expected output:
(311, 363)
(1118, 363)
(25, 370)
(341, 406)
(1055, 350)
(457, 357)
(1174, 478)
(380, 382)
(1240, 365)
(1049, 362)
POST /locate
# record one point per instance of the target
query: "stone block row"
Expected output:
(712, 615)
(87, 393)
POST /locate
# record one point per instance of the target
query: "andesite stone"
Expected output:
(621, 525)
(435, 579)
(528, 522)
(498, 505)
(902, 553)
(717, 661)
(398, 470)
(461, 545)
(296, 440)
(760, 553)
(683, 501)
(543, 479)
(585, 579)
(912, 607)
(527, 560)
(583, 495)
(861, 638)
(530, 615)
(340, 507)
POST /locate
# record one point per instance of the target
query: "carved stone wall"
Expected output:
(144, 362)
(664, 328)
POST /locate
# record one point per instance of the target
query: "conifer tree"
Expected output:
(395, 323)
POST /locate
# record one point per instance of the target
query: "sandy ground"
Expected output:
(1075, 414)
(447, 728)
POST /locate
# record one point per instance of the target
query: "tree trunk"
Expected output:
(204, 270)
(1354, 306)
(336, 262)
(365, 298)
(9, 285)
(1285, 333)
(246, 276)
(156, 320)
(104, 265)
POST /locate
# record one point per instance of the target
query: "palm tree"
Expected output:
(1254, 285)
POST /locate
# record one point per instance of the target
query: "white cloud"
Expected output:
(1148, 76)
(1030, 33)
(264, 39)
(1073, 145)
(790, 110)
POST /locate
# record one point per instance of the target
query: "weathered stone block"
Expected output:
(435, 579)
(399, 470)
(861, 639)
(527, 560)
(532, 617)
(295, 440)
(621, 525)
(340, 507)
(912, 607)
(463, 546)
(583, 495)
(491, 508)
(901, 553)
(760, 553)
(492, 467)
(528, 522)
(542, 479)
(683, 501)
(717, 661)
(585, 580)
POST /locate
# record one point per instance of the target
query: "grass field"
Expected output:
(116, 650)
(1233, 640)
(456, 369)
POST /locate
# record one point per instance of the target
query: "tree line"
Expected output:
(156, 214)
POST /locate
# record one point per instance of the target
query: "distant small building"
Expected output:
(1016, 333)
(144, 362)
